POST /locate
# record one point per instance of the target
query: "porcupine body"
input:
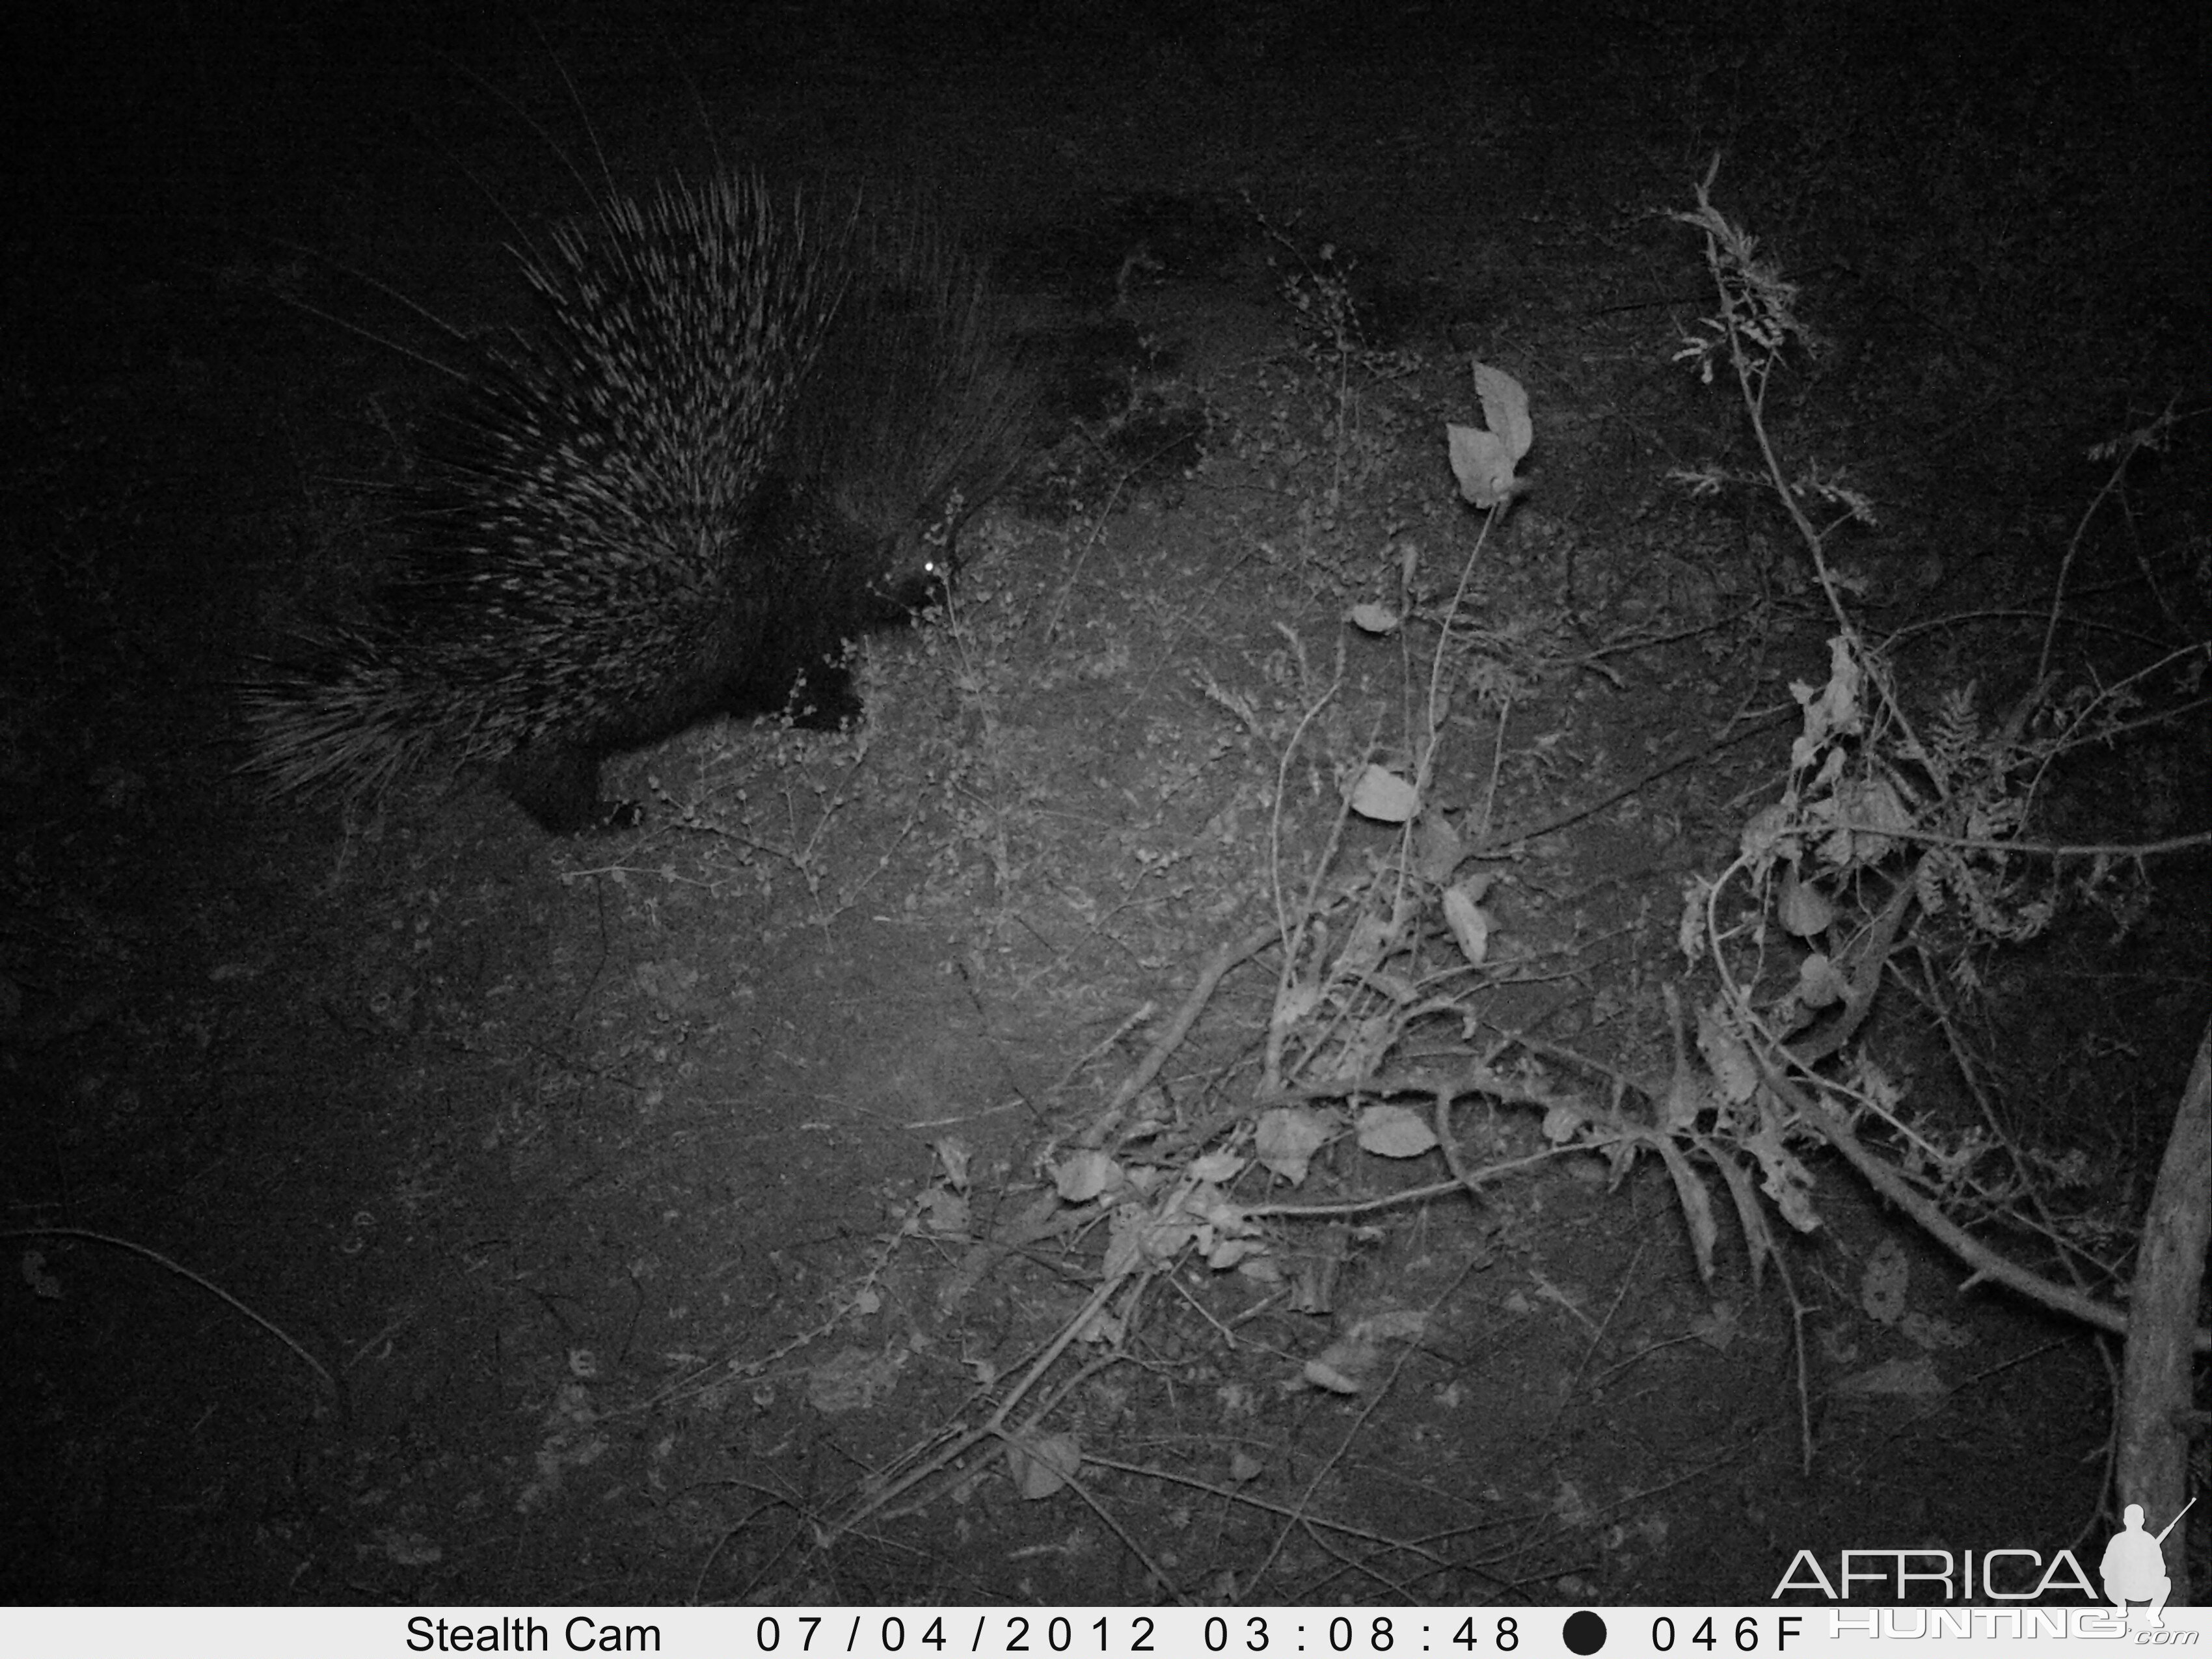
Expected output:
(745, 431)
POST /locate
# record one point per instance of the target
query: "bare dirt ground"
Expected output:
(818, 1195)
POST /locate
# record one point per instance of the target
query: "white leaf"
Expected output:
(1875, 803)
(1563, 1122)
(1286, 1139)
(1322, 1376)
(1438, 851)
(1804, 908)
(1384, 796)
(1042, 1466)
(1084, 1176)
(1481, 461)
(1235, 1253)
(1469, 926)
(1294, 1003)
(1764, 834)
(1374, 618)
(1394, 1132)
(1220, 1168)
(1697, 1205)
(1504, 410)
(1164, 1241)
(944, 1214)
(1821, 983)
(1481, 464)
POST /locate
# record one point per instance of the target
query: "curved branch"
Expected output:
(1986, 1262)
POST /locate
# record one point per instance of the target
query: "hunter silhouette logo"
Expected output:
(2134, 1568)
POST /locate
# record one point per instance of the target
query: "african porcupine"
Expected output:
(745, 431)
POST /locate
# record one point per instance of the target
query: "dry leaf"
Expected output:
(1288, 1138)
(1482, 462)
(1469, 924)
(1041, 1466)
(1384, 796)
(1082, 1177)
(1394, 1132)
(1802, 908)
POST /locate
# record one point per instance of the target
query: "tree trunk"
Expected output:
(2152, 1467)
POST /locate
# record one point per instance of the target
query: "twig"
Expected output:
(330, 1382)
(1986, 1261)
